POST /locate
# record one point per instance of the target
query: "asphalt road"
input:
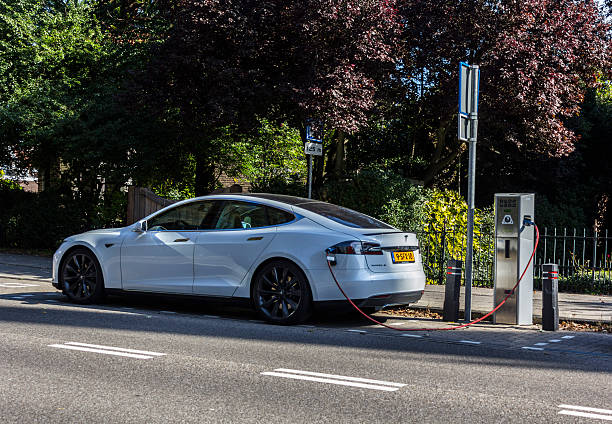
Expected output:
(157, 360)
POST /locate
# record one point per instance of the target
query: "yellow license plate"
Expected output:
(399, 257)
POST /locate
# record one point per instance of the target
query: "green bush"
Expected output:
(380, 193)
(8, 184)
(43, 220)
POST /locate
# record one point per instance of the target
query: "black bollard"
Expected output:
(550, 297)
(451, 292)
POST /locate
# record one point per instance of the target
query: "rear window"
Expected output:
(278, 217)
(344, 216)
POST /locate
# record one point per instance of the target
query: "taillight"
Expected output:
(368, 248)
(352, 248)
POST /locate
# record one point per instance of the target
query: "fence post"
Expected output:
(594, 255)
(443, 254)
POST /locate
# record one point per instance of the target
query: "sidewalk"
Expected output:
(25, 267)
(572, 307)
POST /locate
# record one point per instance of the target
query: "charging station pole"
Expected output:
(469, 82)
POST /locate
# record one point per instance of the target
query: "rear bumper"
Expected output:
(403, 298)
(392, 287)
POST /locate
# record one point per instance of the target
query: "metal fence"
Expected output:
(438, 245)
(583, 256)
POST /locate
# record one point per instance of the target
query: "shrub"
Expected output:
(43, 220)
(380, 193)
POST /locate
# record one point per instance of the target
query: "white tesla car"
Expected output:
(271, 249)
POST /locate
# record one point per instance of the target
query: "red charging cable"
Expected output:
(444, 328)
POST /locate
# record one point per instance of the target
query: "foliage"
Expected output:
(536, 58)
(59, 110)
(7, 183)
(275, 153)
(36, 221)
(227, 63)
(371, 189)
(444, 234)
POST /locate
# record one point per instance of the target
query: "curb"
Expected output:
(26, 265)
(536, 318)
(25, 278)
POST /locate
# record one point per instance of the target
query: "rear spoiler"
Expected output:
(388, 232)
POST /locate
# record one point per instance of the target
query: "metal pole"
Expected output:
(470, 230)
(310, 176)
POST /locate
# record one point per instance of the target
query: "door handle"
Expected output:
(254, 238)
(181, 240)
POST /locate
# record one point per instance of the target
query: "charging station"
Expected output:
(514, 239)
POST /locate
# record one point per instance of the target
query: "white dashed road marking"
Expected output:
(469, 342)
(357, 331)
(108, 350)
(416, 336)
(341, 380)
(532, 348)
(586, 412)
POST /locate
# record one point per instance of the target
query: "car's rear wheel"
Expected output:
(81, 277)
(281, 293)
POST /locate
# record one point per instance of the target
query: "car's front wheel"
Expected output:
(81, 277)
(281, 293)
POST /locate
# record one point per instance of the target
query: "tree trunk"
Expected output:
(336, 161)
(205, 179)
(438, 161)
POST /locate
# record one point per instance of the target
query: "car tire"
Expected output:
(281, 293)
(81, 277)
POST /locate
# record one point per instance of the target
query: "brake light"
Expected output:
(371, 248)
(355, 248)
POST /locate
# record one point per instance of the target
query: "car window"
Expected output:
(191, 216)
(277, 216)
(344, 216)
(236, 214)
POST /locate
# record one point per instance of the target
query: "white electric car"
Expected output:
(270, 249)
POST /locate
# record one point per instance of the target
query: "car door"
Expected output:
(224, 255)
(160, 259)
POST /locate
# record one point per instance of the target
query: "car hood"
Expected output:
(101, 231)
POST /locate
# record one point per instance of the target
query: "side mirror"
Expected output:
(140, 227)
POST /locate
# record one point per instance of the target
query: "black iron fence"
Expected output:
(583, 256)
(438, 245)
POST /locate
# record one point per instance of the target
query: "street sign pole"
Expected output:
(313, 146)
(469, 81)
(470, 231)
(310, 176)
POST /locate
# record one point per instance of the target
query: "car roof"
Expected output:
(282, 198)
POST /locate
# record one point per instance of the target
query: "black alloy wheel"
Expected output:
(281, 293)
(81, 277)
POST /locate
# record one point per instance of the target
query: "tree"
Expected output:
(328, 59)
(232, 62)
(59, 112)
(536, 58)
